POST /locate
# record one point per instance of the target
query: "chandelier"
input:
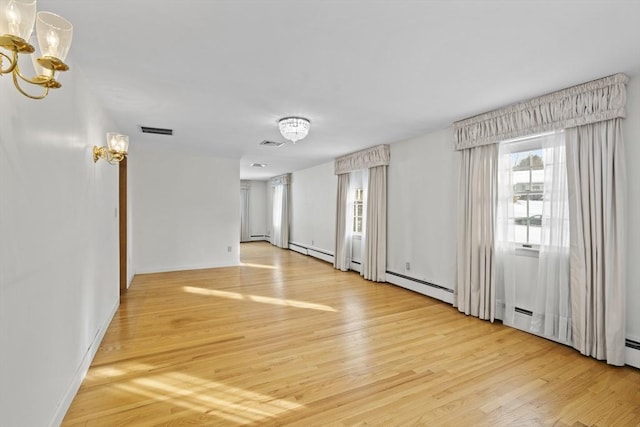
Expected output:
(294, 128)
(54, 33)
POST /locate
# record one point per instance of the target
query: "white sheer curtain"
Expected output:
(280, 218)
(597, 197)
(505, 250)
(342, 257)
(475, 292)
(245, 234)
(552, 309)
(374, 256)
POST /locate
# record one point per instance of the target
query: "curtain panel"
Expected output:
(245, 234)
(475, 292)
(280, 217)
(374, 257)
(597, 209)
(365, 159)
(342, 258)
(591, 102)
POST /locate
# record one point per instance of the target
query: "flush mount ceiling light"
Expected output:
(258, 165)
(294, 128)
(54, 34)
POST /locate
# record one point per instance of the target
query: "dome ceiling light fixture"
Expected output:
(294, 128)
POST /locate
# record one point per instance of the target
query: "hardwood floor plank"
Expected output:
(284, 339)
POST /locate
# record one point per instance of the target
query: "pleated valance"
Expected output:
(245, 185)
(591, 102)
(364, 159)
(281, 179)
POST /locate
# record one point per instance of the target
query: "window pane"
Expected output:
(527, 178)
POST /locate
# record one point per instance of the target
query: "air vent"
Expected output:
(157, 131)
(258, 165)
(272, 144)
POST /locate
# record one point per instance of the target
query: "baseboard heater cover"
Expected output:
(421, 286)
(632, 344)
(523, 311)
(422, 282)
(311, 249)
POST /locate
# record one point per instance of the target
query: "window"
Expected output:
(357, 210)
(527, 179)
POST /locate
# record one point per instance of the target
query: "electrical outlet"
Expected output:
(407, 266)
(313, 243)
(228, 248)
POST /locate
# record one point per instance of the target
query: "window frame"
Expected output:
(523, 145)
(357, 202)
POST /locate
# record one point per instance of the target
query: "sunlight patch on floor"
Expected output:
(246, 264)
(257, 298)
(209, 397)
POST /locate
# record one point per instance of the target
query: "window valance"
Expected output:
(281, 179)
(245, 185)
(590, 102)
(364, 159)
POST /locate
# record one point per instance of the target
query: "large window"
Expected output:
(357, 210)
(527, 179)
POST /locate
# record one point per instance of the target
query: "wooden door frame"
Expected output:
(122, 209)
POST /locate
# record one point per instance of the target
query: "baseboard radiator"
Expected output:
(311, 251)
(420, 286)
(632, 347)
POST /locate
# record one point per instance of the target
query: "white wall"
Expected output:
(186, 211)
(421, 229)
(421, 216)
(58, 247)
(313, 207)
(258, 216)
(631, 131)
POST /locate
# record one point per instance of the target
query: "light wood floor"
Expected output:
(287, 340)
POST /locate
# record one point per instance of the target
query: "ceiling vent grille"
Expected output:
(157, 131)
(272, 144)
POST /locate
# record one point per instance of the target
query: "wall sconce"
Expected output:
(115, 151)
(54, 35)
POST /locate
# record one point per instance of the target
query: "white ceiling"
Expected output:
(220, 73)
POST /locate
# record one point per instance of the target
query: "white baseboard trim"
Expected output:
(183, 268)
(82, 370)
(420, 287)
